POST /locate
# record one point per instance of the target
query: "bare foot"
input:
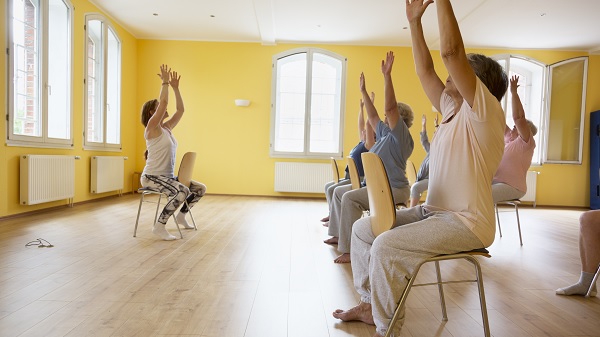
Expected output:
(326, 224)
(361, 312)
(377, 335)
(344, 258)
(325, 219)
(331, 241)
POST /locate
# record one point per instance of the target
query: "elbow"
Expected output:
(449, 54)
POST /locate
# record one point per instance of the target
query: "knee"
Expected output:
(589, 223)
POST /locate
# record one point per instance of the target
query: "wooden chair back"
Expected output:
(381, 202)
(354, 177)
(186, 168)
(411, 172)
(334, 169)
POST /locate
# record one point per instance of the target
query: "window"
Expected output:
(40, 54)
(308, 104)
(102, 84)
(554, 100)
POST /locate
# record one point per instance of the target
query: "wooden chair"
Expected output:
(184, 176)
(515, 203)
(411, 172)
(354, 177)
(383, 216)
(334, 169)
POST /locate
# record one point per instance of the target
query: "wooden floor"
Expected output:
(257, 267)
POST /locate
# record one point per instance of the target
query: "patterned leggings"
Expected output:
(176, 191)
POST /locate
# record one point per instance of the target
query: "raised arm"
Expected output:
(453, 52)
(424, 137)
(152, 128)
(369, 132)
(361, 122)
(174, 120)
(430, 81)
(372, 115)
(390, 104)
(518, 113)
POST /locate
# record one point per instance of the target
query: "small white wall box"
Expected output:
(242, 102)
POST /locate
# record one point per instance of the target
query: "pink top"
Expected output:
(515, 163)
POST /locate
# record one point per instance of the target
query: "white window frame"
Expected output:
(43, 88)
(306, 154)
(545, 109)
(102, 93)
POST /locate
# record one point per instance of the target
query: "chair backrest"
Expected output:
(334, 169)
(381, 202)
(411, 172)
(186, 168)
(354, 177)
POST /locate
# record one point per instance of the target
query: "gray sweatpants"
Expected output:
(330, 187)
(504, 192)
(348, 206)
(382, 266)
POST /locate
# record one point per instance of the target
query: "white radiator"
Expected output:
(107, 174)
(531, 187)
(302, 177)
(45, 178)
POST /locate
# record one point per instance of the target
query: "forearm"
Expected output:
(361, 123)
(422, 56)
(178, 100)
(390, 96)
(372, 116)
(164, 93)
(517, 107)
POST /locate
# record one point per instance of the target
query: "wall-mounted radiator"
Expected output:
(531, 187)
(46, 178)
(302, 177)
(107, 174)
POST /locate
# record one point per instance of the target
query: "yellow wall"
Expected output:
(233, 142)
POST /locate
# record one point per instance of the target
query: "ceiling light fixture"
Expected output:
(155, 14)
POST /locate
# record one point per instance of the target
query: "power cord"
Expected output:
(41, 243)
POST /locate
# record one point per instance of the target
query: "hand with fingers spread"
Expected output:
(165, 72)
(416, 8)
(514, 84)
(386, 65)
(174, 81)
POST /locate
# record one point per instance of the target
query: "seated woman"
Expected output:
(589, 252)
(160, 155)
(509, 182)
(420, 186)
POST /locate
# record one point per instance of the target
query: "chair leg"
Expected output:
(589, 292)
(138, 215)
(498, 219)
(441, 291)
(402, 302)
(191, 215)
(518, 222)
(157, 208)
(484, 315)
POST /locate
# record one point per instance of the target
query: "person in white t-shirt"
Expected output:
(458, 214)
(161, 147)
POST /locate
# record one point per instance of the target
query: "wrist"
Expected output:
(165, 83)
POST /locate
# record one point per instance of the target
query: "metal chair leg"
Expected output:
(138, 215)
(518, 222)
(441, 291)
(498, 219)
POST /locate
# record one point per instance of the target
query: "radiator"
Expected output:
(302, 177)
(531, 187)
(107, 174)
(45, 178)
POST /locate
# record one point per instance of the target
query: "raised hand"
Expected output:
(386, 65)
(373, 96)
(424, 120)
(416, 8)
(362, 84)
(164, 73)
(174, 80)
(514, 83)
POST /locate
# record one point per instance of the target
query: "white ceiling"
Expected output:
(518, 24)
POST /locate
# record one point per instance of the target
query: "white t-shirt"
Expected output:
(464, 156)
(161, 155)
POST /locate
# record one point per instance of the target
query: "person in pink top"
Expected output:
(509, 180)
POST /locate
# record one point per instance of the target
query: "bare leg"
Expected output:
(344, 258)
(414, 202)
(361, 312)
(325, 219)
(332, 240)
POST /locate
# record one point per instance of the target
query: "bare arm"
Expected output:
(369, 132)
(518, 113)
(390, 104)
(372, 115)
(453, 52)
(361, 122)
(174, 120)
(430, 81)
(152, 128)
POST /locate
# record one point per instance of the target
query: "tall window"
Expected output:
(308, 104)
(40, 54)
(556, 111)
(103, 85)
